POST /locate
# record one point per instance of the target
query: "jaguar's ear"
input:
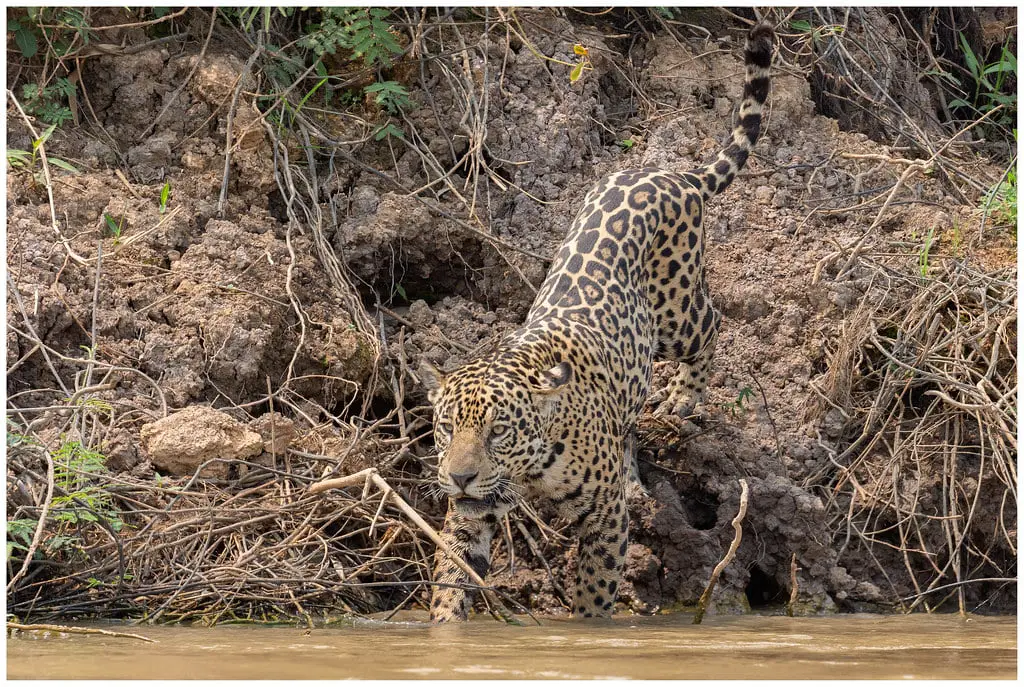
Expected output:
(433, 380)
(553, 380)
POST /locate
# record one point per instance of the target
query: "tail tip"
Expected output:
(762, 35)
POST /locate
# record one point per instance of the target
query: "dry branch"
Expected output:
(67, 629)
(793, 588)
(705, 598)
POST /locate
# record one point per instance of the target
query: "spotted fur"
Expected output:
(549, 413)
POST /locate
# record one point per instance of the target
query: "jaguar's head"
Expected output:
(489, 429)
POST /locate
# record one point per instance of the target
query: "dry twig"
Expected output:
(68, 629)
(705, 598)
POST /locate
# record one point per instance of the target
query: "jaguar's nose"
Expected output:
(462, 479)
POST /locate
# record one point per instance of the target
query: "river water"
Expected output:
(736, 647)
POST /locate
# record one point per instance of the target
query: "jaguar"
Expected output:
(550, 411)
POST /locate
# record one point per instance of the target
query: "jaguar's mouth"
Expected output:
(497, 502)
(467, 505)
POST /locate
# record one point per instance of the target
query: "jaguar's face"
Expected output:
(488, 430)
(477, 457)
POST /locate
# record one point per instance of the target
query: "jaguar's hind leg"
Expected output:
(685, 390)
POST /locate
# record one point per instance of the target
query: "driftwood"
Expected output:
(67, 629)
(793, 588)
(705, 598)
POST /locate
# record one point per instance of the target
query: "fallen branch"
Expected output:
(793, 588)
(76, 631)
(370, 475)
(705, 598)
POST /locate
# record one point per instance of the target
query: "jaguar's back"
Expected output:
(632, 263)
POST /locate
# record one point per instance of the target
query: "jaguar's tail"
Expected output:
(716, 177)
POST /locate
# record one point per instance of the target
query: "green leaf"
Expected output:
(66, 166)
(65, 87)
(388, 129)
(969, 57)
(115, 230)
(312, 91)
(400, 290)
(997, 67)
(165, 193)
(576, 73)
(23, 529)
(800, 25)
(43, 137)
(18, 158)
(26, 42)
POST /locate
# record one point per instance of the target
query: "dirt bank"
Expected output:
(309, 281)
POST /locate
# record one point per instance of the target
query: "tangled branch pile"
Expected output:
(924, 379)
(260, 549)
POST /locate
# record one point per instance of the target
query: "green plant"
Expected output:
(392, 96)
(583, 63)
(361, 30)
(61, 29)
(165, 194)
(1001, 200)
(24, 37)
(671, 13)
(81, 500)
(985, 91)
(816, 33)
(247, 15)
(627, 144)
(19, 534)
(22, 158)
(113, 226)
(922, 255)
(49, 103)
(77, 501)
(957, 239)
(738, 406)
(388, 129)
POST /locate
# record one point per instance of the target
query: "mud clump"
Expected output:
(182, 442)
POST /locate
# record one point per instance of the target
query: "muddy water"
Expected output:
(838, 647)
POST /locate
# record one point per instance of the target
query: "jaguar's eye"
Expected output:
(445, 428)
(498, 431)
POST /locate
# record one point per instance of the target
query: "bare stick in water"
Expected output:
(793, 588)
(705, 598)
(76, 631)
